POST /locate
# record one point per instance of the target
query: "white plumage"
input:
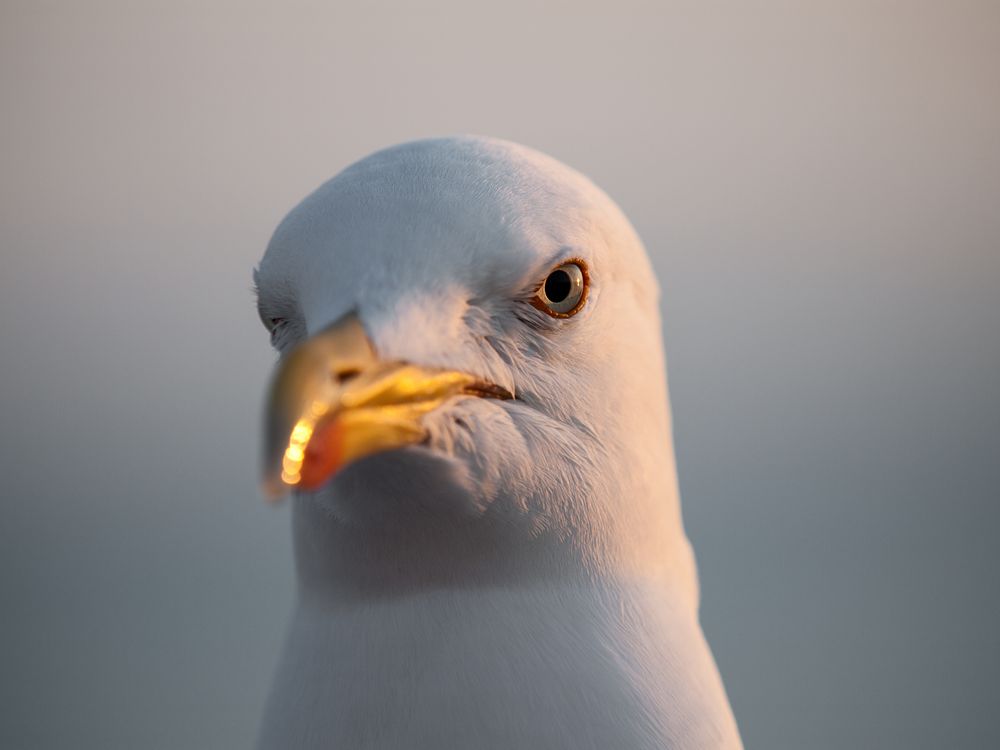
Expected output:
(521, 579)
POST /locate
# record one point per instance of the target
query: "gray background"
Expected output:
(818, 184)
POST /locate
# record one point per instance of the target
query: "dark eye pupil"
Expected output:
(558, 286)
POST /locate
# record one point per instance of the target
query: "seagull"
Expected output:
(470, 412)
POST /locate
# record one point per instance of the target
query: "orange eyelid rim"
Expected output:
(537, 302)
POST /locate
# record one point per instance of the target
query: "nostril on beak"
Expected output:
(342, 376)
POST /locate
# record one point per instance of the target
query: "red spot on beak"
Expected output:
(323, 455)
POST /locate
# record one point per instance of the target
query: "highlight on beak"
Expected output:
(332, 401)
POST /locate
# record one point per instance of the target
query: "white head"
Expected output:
(438, 248)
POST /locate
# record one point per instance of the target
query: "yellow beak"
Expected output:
(332, 401)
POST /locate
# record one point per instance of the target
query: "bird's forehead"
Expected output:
(469, 213)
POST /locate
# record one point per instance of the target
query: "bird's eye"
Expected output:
(278, 328)
(564, 290)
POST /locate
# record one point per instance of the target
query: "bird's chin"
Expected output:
(414, 484)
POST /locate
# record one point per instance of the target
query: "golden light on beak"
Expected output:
(332, 401)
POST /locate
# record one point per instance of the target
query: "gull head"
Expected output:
(469, 338)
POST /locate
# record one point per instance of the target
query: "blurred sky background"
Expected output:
(818, 185)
